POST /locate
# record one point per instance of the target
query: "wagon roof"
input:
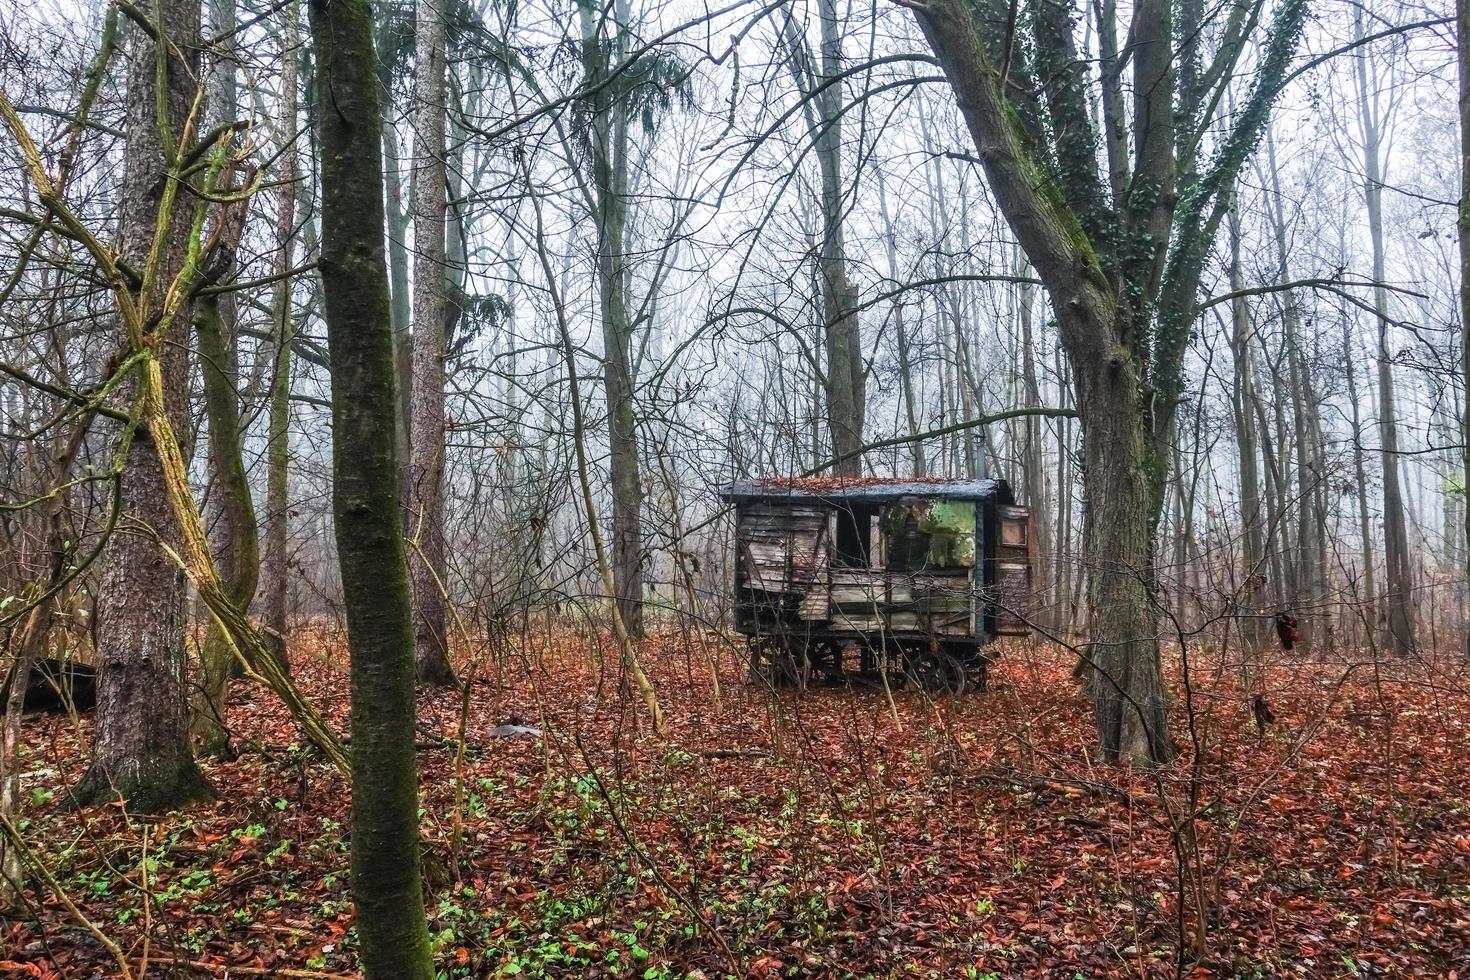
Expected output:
(866, 488)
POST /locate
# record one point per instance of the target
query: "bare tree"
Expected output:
(1120, 254)
(275, 567)
(821, 91)
(1253, 547)
(425, 481)
(1398, 577)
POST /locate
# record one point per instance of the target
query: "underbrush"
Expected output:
(831, 832)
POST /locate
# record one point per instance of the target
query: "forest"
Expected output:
(779, 488)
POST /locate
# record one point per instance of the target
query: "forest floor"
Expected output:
(833, 833)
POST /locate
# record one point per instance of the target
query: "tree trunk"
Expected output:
(234, 538)
(1100, 331)
(1241, 402)
(1360, 472)
(900, 331)
(1462, 11)
(386, 883)
(1310, 572)
(399, 220)
(1031, 462)
(233, 534)
(48, 522)
(1066, 607)
(610, 184)
(425, 490)
(1128, 690)
(1398, 578)
(141, 751)
(846, 398)
(963, 382)
(1272, 468)
(276, 568)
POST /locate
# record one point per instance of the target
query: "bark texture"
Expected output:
(141, 751)
(425, 489)
(1120, 254)
(275, 569)
(1462, 12)
(386, 883)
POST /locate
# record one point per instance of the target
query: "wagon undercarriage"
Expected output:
(912, 662)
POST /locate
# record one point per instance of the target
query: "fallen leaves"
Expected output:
(822, 833)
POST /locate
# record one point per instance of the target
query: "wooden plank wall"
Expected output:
(1012, 571)
(784, 551)
(785, 570)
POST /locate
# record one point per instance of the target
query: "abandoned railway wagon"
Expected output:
(906, 580)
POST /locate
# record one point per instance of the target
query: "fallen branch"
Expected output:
(734, 754)
(1067, 787)
(250, 971)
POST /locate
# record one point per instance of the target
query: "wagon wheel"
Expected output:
(937, 672)
(786, 667)
(824, 658)
(771, 662)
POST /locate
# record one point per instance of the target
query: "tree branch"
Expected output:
(944, 430)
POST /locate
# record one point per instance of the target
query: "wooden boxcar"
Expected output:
(905, 578)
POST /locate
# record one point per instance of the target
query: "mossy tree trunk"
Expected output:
(234, 537)
(141, 750)
(1117, 221)
(386, 882)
